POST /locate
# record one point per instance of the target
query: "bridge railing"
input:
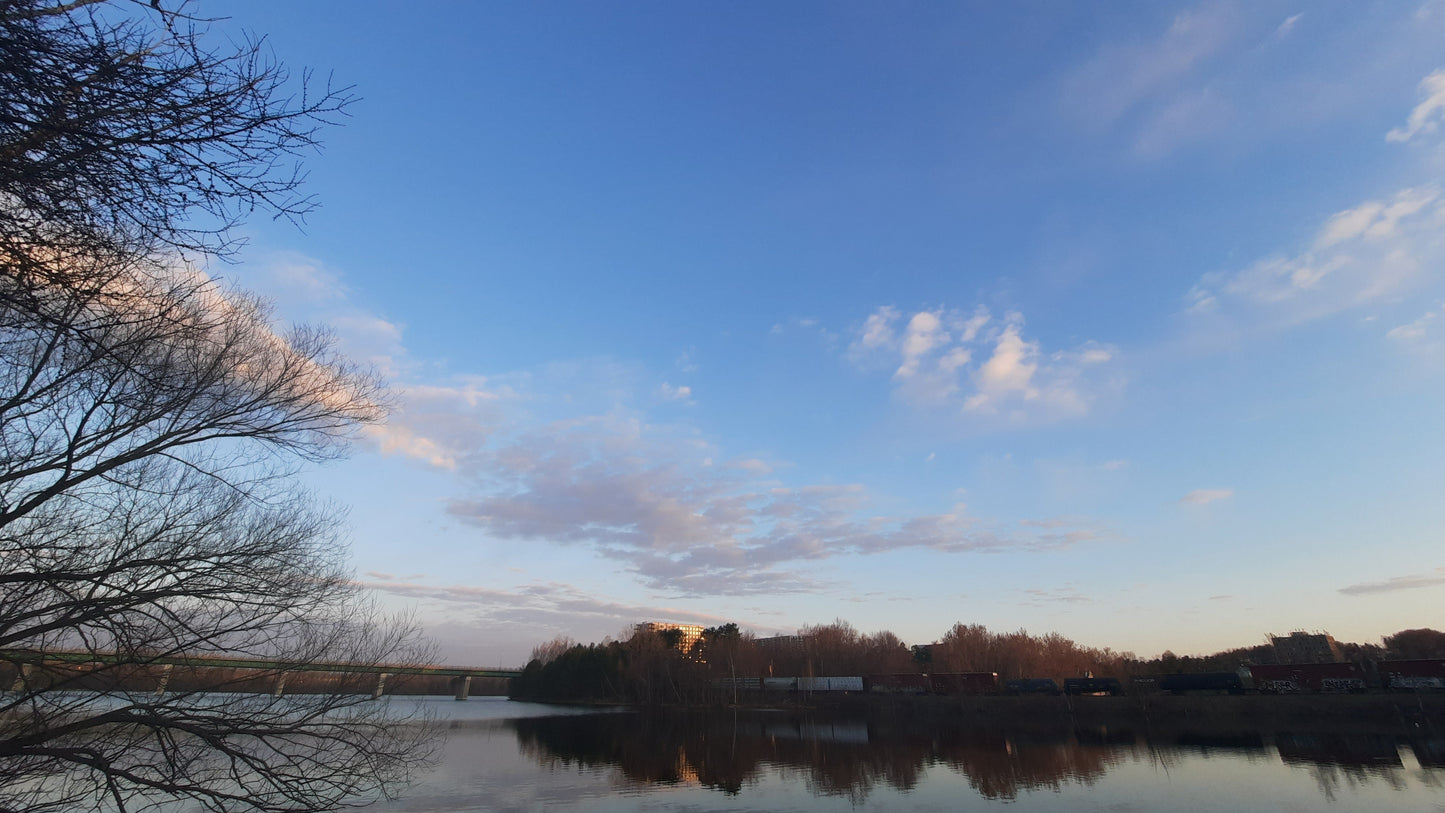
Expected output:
(25, 661)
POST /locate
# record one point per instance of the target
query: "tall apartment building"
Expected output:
(690, 632)
(1305, 647)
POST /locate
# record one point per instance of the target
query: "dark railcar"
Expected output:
(1202, 682)
(1091, 685)
(964, 683)
(1308, 677)
(1031, 686)
(1421, 675)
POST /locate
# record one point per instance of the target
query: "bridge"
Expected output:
(461, 676)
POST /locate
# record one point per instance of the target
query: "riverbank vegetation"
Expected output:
(653, 667)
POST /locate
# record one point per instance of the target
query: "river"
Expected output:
(506, 756)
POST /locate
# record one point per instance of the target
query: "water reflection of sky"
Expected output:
(508, 757)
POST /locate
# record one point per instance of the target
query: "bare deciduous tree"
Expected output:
(151, 424)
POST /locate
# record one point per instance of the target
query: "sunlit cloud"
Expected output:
(441, 425)
(639, 494)
(293, 278)
(1373, 251)
(1360, 255)
(979, 364)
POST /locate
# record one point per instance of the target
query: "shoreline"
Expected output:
(1408, 712)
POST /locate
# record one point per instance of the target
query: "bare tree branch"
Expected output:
(152, 422)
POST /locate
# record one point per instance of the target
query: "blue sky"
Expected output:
(1126, 323)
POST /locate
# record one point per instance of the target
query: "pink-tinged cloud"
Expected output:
(683, 525)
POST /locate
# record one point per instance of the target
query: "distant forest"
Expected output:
(654, 667)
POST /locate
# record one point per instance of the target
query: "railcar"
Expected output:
(1202, 682)
(1093, 685)
(963, 682)
(907, 683)
(1415, 675)
(853, 683)
(1308, 677)
(1032, 686)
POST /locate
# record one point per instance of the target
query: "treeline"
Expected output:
(1412, 644)
(648, 667)
(653, 667)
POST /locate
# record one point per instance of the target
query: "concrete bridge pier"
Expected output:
(462, 686)
(380, 685)
(280, 687)
(22, 677)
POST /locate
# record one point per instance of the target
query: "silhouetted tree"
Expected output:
(972, 648)
(1416, 644)
(553, 649)
(150, 425)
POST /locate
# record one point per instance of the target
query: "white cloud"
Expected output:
(1363, 254)
(924, 333)
(1183, 119)
(1120, 78)
(1376, 220)
(1234, 75)
(295, 279)
(978, 364)
(1377, 250)
(1205, 496)
(1423, 119)
(679, 393)
(1008, 372)
(533, 463)
(878, 329)
(1414, 331)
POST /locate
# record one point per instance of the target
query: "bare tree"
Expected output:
(151, 424)
(130, 133)
(551, 650)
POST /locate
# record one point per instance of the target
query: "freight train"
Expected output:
(1412, 675)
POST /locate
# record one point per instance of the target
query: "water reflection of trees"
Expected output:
(1343, 760)
(834, 758)
(851, 758)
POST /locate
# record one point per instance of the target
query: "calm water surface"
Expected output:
(504, 756)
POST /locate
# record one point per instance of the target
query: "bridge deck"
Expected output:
(220, 661)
